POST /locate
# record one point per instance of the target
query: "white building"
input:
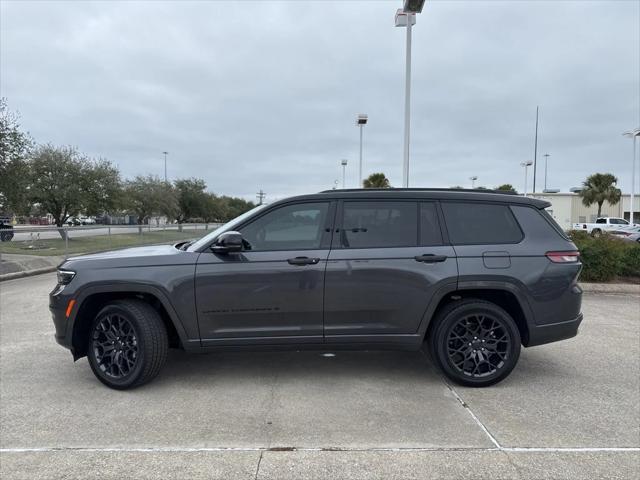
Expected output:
(567, 208)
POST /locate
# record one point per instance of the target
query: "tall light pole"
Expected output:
(165, 166)
(406, 17)
(526, 166)
(633, 134)
(546, 160)
(535, 153)
(361, 122)
(343, 162)
(473, 181)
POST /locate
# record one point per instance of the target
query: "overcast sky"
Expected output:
(264, 94)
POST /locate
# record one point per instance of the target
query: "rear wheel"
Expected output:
(596, 232)
(475, 343)
(128, 344)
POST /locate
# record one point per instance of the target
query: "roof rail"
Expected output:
(473, 190)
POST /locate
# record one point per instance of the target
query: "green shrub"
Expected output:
(631, 260)
(603, 258)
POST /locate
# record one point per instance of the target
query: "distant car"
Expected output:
(603, 224)
(631, 234)
(6, 231)
(77, 221)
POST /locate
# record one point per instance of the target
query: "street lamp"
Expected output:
(406, 17)
(526, 166)
(165, 166)
(633, 134)
(473, 181)
(343, 162)
(361, 122)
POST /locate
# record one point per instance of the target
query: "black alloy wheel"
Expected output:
(474, 342)
(127, 344)
(115, 345)
(478, 345)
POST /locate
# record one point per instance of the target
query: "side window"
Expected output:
(379, 224)
(430, 233)
(292, 227)
(601, 220)
(480, 223)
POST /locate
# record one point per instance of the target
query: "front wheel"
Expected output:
(128, 344)
(475, 343)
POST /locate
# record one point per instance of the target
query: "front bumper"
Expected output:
(58, 303)
(553, 332)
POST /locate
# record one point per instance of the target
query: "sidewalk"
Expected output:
(16, 266)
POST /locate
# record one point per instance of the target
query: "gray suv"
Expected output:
(471, 276)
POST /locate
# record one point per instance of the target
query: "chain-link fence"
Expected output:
(66, 241)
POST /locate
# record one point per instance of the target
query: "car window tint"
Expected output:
(480, 223)
(379, 224)
(292, 227)
(601, 220)
(430, 233)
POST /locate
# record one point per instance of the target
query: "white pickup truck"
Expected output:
(603, 224)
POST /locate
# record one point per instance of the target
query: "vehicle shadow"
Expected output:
(293, 366)
(399, 367)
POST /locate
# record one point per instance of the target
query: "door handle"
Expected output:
(430, 258)
(303, 261)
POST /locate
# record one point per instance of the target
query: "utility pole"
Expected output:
(535, 153)
(260, 196)
(165, 166)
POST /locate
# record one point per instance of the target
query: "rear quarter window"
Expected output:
(549, 218)
(472, 223)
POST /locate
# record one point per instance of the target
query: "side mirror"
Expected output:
(228, 242)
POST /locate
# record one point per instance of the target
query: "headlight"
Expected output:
(65, 277)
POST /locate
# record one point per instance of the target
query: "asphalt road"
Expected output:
(24, 233)
(569, 410)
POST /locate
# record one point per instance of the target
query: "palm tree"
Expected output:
(599, 188)
(376, 180)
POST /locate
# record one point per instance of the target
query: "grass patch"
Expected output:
(97, 243)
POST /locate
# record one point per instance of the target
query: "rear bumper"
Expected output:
(553, 332)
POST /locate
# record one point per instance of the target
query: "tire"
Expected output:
(478, 324)
(6, 236)
(596, 232)
(128, 344)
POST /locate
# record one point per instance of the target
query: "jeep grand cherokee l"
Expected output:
(472, 276)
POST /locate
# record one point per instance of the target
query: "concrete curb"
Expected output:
(26, 273)
(625, 288)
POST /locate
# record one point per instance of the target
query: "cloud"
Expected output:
(264, 95)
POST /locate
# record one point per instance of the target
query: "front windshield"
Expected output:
(230, 225)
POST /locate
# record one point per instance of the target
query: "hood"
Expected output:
(149, 256)
(146, 251)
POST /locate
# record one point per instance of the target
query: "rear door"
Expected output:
(388, 257)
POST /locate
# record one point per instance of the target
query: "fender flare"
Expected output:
(477, 283)
(130, 287)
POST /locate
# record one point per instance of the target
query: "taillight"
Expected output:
(563, 257)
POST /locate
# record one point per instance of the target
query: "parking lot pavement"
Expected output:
(569, 410)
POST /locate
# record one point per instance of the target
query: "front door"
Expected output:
(272, 292)
(386, 263)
